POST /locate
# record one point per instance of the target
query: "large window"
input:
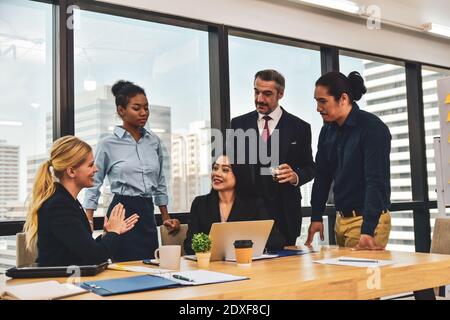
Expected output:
(300, 67)
(401, 237)
(386, 98)
(171, 64)
(26, 103)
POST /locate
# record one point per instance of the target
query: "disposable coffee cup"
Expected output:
(244, 252)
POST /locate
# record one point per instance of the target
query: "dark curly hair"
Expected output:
(124, 91)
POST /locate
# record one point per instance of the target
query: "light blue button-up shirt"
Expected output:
(133, 168)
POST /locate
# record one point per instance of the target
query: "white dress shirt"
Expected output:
(276, 116)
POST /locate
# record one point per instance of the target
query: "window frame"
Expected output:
(63, 86)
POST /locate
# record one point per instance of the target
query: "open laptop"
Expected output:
(223, 235)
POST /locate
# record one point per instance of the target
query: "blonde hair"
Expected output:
(66, 152)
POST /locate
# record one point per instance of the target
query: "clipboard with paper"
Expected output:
(157, 281)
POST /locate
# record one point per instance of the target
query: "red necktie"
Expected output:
(266, 131)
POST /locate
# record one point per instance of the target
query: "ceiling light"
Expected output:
(341, 5)
(90, 85)
(11, 123)
(437, 29)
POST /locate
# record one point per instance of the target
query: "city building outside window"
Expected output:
(26, 63)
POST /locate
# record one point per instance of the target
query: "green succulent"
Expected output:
(201, 242)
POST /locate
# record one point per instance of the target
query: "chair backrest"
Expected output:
(178, 239)
(441, 236)
(23, 256)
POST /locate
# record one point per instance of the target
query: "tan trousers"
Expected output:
(348, 230)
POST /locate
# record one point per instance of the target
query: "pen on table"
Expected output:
(176, 276)
(350, 260)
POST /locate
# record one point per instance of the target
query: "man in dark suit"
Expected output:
(287, 139)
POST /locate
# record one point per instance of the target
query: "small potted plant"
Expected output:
(201, 244)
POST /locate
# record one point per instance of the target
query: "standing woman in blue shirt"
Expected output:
(132, 159)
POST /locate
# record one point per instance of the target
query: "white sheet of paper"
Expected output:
(358, 262)
(200, 277)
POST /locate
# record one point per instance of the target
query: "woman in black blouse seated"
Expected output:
(56, 221)
(228, 200)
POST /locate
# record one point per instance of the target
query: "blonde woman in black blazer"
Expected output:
(56, 223)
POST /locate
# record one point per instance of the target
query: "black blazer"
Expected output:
(295, 150)
(64, 234)
(205, 211)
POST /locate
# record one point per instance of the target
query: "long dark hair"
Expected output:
(338, 84)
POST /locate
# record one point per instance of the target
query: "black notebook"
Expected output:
(34, 271)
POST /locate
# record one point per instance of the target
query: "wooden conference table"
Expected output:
(298, 277)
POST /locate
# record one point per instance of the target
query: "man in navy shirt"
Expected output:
(353, 152)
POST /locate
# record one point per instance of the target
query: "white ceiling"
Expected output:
(412, 13)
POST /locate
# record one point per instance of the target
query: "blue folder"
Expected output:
(128, 285)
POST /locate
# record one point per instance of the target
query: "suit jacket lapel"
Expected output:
(74, 203)
(254, 121)
(214, 207)
(235, 209)
(252, 124)
(282, 126)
